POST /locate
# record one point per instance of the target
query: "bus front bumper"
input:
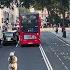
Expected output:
(28, 42)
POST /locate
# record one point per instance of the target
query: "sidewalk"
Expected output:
(59, 34)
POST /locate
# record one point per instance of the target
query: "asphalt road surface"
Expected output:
(29, 58)
(57, 51)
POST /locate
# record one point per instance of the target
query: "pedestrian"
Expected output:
(63, 28)
(0, 43)
(56, 29)
(12, 61)
(0, 27)
(64, 33)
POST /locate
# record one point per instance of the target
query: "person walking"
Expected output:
(56, 29)
(12, 59)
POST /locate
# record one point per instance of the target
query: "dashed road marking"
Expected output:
(62, 61)
(55, 53)
(17, 44)
(66, 67)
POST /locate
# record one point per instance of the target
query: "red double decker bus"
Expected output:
(29, 29)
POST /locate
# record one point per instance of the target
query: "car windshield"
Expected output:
(9, 34)
(30, 23)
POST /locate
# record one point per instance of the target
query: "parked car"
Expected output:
(10, 36)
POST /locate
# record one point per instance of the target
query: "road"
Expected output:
(30, 58)
(57, 51)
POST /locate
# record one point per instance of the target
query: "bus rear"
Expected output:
(29, 30)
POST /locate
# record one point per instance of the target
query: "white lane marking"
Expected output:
(63, 64)
(55, 53)
(17, 44)
(63, 42)
(66, 67)
(57, 56)
(61, 61)
(45, 58)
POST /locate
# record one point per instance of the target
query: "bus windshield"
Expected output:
(30, 23)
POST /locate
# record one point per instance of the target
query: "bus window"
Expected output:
(30, 23)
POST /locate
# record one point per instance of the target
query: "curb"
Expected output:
(62, 38)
